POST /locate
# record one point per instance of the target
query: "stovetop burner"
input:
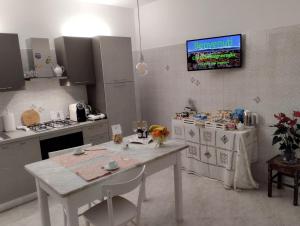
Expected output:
(41, 127)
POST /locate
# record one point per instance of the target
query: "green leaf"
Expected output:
(276, 139)
(281, 130)
(277, 132)
(282, 146)
(295, 146)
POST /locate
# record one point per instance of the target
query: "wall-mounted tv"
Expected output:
(214, 53)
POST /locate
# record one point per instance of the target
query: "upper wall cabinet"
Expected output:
(76, 55)
(11, 70)
(116, 58)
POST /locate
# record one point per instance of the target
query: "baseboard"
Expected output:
(16, 202)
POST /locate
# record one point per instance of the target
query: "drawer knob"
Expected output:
(207, 154)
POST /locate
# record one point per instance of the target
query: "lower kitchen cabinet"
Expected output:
(15, 181)
(95, 134)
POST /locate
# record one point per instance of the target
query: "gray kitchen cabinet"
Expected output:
(12, 75)
(75, 54)
(116, 58)
(15, 181)
(95, 134)
(120, 105)
(114, 91)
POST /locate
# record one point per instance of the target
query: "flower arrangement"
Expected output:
(286, 134)
(159, 133)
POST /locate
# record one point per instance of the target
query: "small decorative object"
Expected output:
(238, 113)
(240, 126)
(231, 126)
(288, 137)
(159, 134)
(125, 145)
(141, 129)
(58, 70)
(117, 134)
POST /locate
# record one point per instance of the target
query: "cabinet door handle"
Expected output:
(120, 85)
(83, 82)
(6, 88)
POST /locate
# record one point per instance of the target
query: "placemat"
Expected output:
(69, 159)
(97, 170)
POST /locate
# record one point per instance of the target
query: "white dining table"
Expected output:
(73, 192)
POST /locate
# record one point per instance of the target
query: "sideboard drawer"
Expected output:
(225, 139)
(224, 158)
(208, 155)
(192, 133)
(208, 136)
(193, 151)
(178, 129)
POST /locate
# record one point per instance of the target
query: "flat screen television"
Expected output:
(214, 53)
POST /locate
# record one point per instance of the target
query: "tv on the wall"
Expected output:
(214, 53)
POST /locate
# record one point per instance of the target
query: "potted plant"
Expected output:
(286, 134)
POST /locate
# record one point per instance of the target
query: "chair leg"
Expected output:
(65, 218)
(144, 194)
(86, 222)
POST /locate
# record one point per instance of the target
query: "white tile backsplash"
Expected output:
(44, 95)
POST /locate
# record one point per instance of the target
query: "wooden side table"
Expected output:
(283, 169)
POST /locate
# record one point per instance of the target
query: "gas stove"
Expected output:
(45, 126)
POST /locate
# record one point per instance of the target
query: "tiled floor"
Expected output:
(206, 203)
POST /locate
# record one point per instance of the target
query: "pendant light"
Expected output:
(141, 67)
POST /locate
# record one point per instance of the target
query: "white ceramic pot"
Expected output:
(58, 70)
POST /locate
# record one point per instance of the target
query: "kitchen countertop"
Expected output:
(23, 135)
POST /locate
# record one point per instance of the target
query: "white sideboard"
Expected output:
(213, 152)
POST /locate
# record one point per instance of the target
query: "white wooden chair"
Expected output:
(66, 151)
(116, 210)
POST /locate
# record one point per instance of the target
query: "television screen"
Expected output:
(214, 53)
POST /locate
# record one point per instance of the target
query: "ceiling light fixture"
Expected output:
(141, 67)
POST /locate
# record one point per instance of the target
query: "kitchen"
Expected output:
(72, 69)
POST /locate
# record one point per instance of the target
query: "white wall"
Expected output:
(270, 70)
(46, 18)
(168, 22)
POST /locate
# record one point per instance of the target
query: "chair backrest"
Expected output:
(111, 190)
(68, 150)
(124, 187)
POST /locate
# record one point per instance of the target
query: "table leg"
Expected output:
(269, 181)
(44, 206)
(178, 188)
(72, 216)
(296, 179)
(279, 180)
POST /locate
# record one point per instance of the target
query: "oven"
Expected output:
(60, 142)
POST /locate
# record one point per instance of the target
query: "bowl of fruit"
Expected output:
(159, 134)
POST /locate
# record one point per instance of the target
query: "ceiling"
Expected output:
(121, 3)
